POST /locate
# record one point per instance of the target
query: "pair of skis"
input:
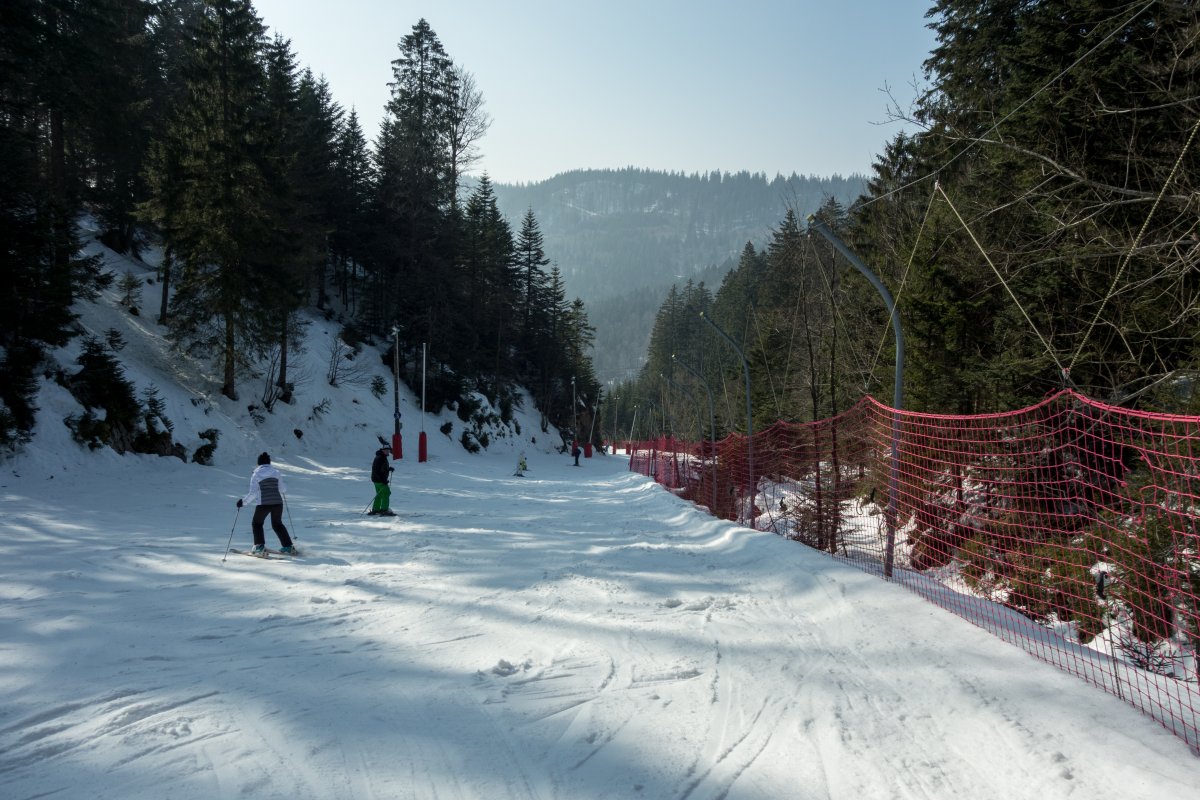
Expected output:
(266, 554)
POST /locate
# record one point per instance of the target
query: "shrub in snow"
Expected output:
(128, 285)
(320, 410)
(101, 384)
(204, 453)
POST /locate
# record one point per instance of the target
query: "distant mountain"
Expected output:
(622, 237)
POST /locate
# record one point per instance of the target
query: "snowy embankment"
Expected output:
(575, 633)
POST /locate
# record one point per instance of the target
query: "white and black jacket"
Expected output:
(266, 487)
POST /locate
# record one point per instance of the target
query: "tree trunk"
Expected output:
(282, 383)
(319, 276)
(60, 267)
(229, 389)
(168, 258)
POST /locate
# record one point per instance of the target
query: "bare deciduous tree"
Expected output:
(469, 122)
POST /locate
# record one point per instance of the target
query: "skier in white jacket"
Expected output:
(267, 490)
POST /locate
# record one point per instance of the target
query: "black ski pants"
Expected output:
(260, 515)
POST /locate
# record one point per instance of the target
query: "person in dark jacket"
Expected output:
(381, 476)
(267, 490)
(575, 451)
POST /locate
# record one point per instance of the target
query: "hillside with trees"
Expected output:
(179, 126)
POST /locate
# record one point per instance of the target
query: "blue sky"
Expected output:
(762, 85)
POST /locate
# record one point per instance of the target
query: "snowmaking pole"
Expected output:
(422, 442)
(753, 482)
(616, 431)
(889, 555)
(397, 443)
(629, 447)
(587, 451)
(574, 417)
(712, 422)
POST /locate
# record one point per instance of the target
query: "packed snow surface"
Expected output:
(573, 633)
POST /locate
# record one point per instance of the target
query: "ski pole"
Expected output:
(291, 524)
(231, 530)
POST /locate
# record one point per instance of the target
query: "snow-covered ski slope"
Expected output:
(575, 633)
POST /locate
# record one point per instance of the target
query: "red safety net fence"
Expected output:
(1071, 528)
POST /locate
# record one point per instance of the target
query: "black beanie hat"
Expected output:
(263, 458)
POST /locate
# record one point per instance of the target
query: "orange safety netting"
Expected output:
(1071, 528)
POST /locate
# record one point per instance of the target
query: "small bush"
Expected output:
(469, 443)
(446, 428)
(204, 453)
(101, 384)
(128, 284)
(88, 430)
(378, 387)
(467, 407)
(320, 409)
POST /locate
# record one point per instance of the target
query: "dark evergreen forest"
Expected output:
(1037, 227)
(179, 125)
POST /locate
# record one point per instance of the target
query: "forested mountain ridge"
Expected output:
(616, 230)
(622, 238)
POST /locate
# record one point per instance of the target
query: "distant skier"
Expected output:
(267, 490)
(381, 476)
(521, 467)
(575, 451)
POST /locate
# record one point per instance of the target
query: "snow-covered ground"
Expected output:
(574, 633)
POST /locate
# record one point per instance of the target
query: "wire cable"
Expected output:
(1049, 351)
(1133, 245)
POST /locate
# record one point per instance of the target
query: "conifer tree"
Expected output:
(216, 138)
(413, 258)
(486, 259)
(285, 259)
(531, 262)
(43, 52)
(354, 178)
(319, 129)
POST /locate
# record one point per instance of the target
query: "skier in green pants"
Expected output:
(381, 475)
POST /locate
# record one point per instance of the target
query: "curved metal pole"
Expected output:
(749, 410)
(897, 388)
(712, 423)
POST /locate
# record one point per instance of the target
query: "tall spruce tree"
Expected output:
(219, 217)
(486, 260)
(285, 258)
(45, 58)
(354, 178)
(315, 174)
(532, 280)
(413, 255)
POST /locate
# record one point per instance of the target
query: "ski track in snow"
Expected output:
(449, 657)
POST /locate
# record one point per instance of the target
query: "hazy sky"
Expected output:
(773, 86)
